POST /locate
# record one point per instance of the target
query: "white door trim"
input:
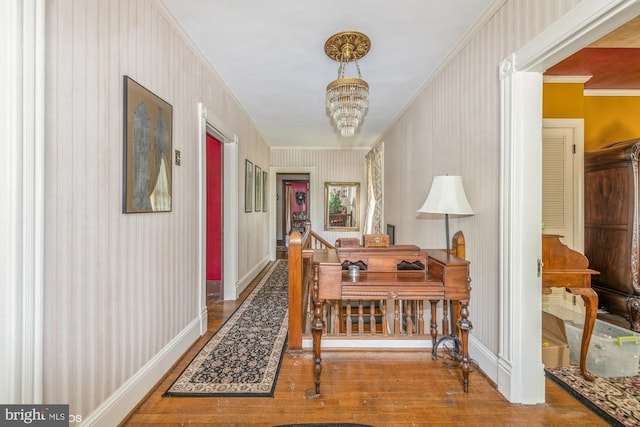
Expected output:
(208, 123)
(22, 124)
(273, 171)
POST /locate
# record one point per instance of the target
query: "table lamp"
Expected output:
(447, 197)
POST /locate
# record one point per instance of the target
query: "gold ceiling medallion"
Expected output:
(347, 98)
(352, 44)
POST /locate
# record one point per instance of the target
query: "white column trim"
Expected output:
(22, 189)
(520, 373)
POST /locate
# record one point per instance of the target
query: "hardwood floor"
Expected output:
(375, 388)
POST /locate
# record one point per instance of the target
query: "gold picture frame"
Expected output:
(342, 206)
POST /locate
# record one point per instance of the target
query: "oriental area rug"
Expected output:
(616, 400)
(243, 357)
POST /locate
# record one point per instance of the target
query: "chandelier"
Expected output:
(347, 98)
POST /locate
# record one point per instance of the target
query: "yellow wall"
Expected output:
(610, 119)
(562, 101)
(607, 119)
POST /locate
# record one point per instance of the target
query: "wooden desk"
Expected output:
(446, 278)
(563, 267)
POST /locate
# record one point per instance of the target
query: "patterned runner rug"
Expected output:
(243, 357)
(616, 400)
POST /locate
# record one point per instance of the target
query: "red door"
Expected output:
(214, 210)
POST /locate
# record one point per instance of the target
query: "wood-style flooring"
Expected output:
(378, 388)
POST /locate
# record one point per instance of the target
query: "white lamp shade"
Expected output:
(447, 197)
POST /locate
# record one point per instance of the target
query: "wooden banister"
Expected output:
(317, 242)
(300, 254)
(295, 290)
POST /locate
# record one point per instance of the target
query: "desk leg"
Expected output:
(434, 330)
(317, 326)
(590, 299)
(316, 329)
(464, 325)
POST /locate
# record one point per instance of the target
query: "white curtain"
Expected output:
(373, 217)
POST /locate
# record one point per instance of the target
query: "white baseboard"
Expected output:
(486, 359)
(123, 400)
(248, 278)
(388, 343)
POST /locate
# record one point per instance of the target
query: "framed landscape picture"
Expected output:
(147, 171)
(265, 191)
(258, 188)
(248, 185)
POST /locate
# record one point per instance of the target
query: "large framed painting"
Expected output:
(258, 178)
(148, 150)
(248, 186)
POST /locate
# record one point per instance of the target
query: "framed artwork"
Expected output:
(248, 185)
(148, 122)
(265, 190)
(258, 188)
(342, 206)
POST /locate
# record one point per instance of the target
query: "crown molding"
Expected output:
(565, 79)
(612, 92)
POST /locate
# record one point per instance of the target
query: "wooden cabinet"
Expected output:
(611, 227)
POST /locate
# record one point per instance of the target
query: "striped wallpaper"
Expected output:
(452, 127)
(119, 288)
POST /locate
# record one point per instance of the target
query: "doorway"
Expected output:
(563, 180)
(293, 207)
(521, 166)
(215, 182)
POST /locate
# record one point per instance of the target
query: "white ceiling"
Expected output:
(270, 54)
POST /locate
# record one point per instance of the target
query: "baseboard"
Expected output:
(248, 278)
(344, 343)
(125, 399)
(486, 359)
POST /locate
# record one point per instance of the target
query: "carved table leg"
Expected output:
(464, 324)
(633, 308)
(317, 326)
(434, 330)
(590, 299)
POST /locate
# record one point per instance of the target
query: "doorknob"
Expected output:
(540, 265)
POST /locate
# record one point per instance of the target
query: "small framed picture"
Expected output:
(265, 190)
(248, 185)
(258, 186)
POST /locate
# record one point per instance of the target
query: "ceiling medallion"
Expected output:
(347, 98)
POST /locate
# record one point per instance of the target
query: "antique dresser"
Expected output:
(611, 227)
